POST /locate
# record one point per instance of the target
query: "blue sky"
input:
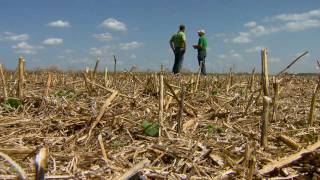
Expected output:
(71, 34)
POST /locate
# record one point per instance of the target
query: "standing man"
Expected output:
(202, 50)
(178, 46)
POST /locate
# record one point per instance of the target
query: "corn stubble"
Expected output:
(92, 125)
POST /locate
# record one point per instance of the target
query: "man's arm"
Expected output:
(172, 44)
(199, 45)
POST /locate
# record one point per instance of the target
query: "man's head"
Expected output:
(201, 32)
(182, 28)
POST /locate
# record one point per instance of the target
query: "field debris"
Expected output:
(94, 129)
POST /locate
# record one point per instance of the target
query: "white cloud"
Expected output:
(231, 55)
(250, 24)
(280, 23)
(60, 24)
(103, 36)
(100, 51)
(242, 38)
(95, 51)
(256, 31)
(298, 16)
(261, 30)
(256, 49)
(25, 48)
(22, 45)
(114, 24)
(53, 41)
(9, 36)
(301, 25)
(131, 45)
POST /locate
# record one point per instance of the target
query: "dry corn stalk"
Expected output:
(87, 69)
(20, 80)
(198, 76)
(294, 61)
(96, 67)
(46, 92)
(251, 166)
(42, 163)
(265, 121)
(229, 81)
(102, 110)
(266, 99)
(265, 73)
(288, 159)
(103, 149)
(115, 64)
(17, 167)
(87, 84)
(176, 97)
(133, 170)
(250, 83)
(106, 82)
(160, 104)
(170, 98)
(290, 142)
(313, 104)
(275, 98)
(181, 107)
(192, 84)
(252, 80)
(4, 84)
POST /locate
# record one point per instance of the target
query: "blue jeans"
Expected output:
(178, 60)
(201, 59)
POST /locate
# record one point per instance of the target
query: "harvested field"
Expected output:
(98, 127)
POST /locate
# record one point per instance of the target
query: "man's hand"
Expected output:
(195, 46)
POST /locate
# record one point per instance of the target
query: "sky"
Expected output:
(71, 34)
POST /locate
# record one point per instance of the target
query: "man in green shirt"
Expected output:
(202, 50)
(178, 46)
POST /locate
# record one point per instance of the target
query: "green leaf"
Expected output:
(210, 128)
(150, 129)
(13, 102)
(146, 124)
(215, 92)
(214, 129)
